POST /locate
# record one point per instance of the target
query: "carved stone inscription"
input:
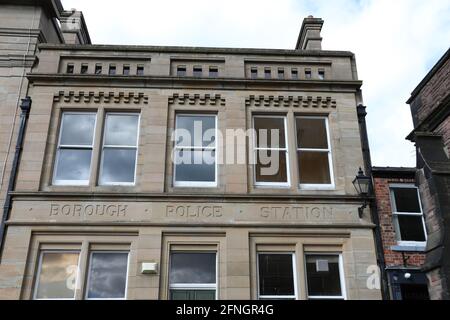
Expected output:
(193, 211)
(303, 213)
(88, 210)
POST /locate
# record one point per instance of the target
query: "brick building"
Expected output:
(95, 198)
(430, 108)
(403, 231)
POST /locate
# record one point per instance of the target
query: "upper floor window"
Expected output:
(271, 151)
(294, 74)
(321, 74)
(126, 70)
(197, 71)
(119, 153)
(74, 152)
(213, 72)
(140, 70)
(281, 73)
(407, 213)
(181, 71)
(98, 69)
(314, 152)
(254, 73)
(84, 68)
(112, 70)
(70, 68)
(308, 74)
(195, 162)
(267, 73)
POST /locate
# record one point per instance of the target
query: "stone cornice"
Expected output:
(100, 97)
(290, 101)
(51, 79)
(197, 99)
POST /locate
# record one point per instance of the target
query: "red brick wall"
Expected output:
(387, 224)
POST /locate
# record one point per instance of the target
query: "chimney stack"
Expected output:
(309, 37)
(73, 27)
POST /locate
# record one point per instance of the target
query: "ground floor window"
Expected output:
(324, 276)
(57, 275)
(276, 274)
(193, 276)
(107, 277)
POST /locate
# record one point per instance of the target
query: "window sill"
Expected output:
(409, 247)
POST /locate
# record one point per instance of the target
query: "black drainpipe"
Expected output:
(25, 106)
(373, 205)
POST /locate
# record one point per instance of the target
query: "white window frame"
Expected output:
(343, 295)
(39, 269)
(396, 214)
(104, 146)
(196, 184)
(306, 186)
(294, 273)
(282, 185)
(195, 286)
(88, 271)
(70, 147)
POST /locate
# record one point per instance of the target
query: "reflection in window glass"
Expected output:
(192, 276)
(323, 277)
(107, 275)
(271, 168)
(276, 276)
(408, 218)
(57, 275)
(195, 151)
(119, 149)
(74, 152)
(314, 152)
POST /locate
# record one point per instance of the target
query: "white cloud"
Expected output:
(395, 42)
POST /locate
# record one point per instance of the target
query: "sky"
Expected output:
(396, 43)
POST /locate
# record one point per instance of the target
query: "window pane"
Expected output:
(312, 133)
(407, 200)
(77, 129)
(272, 126)
(193, 129)
(411, 228)
(314, 167)
(193, 268)
(192, 294)
(58, 275)
(276, 277)
(73, 165)
(271, 166)
(195, 166)
(323, 275)
(107, 275)
(121, 130)
(118, 165)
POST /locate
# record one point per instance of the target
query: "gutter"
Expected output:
(25, 106)
(361, 110)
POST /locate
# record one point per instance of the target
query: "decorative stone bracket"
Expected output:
(100, 97)
(197, 99)
(290, 101)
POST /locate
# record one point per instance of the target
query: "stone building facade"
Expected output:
(430, 108)
(100, 211)
(403, 231)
